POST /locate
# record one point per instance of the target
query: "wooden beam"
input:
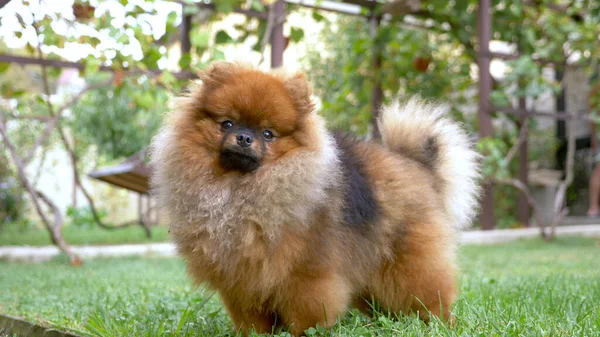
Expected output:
(509, 57)
(401, 7)
(323, 6)
(558, 115)
(23, 60)
(371, 4)
(3, 3)
(247, 12)
(557, 8)
(316, 5)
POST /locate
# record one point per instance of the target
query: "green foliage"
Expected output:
(27, 233)
(413, 62)
(83, 217)
(494, 150)
(116, 121)
(12, 200)
(542, 145)
(449, 49)
(119, 121)
(438, 63)
(341, 75)
(523, 79)
(505, 290)
(296, 34)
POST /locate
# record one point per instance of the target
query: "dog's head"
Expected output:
(243, 118)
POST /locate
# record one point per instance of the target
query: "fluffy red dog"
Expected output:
(292, 224)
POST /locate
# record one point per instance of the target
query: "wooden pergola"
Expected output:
(374, 11)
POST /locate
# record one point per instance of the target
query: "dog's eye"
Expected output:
(268, 134)
(226, 125)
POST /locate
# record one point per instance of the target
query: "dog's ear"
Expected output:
(300, 92)
(218, 73)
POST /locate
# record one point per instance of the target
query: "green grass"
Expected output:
(520, 289)
(11, 236)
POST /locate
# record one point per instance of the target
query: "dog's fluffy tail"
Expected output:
(423, 132)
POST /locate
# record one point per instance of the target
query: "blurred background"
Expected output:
(111, 67)
(84, 86)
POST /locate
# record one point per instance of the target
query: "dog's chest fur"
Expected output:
(238, 222)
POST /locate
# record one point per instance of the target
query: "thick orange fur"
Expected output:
(273, 242)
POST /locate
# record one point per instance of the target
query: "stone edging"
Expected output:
(45, 253)
(507, 235)
(12, 325)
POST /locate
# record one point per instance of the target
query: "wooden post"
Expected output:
(377, 92)
(594, 128)
(186, 25)
(524, 211)
(561, 125)
(523, 204)
(277, 38)
(148, 217)
(140, 209)
(74, 191)
(484, 27)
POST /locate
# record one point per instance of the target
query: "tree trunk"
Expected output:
(53, 228)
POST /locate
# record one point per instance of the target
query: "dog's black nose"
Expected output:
(244, 139)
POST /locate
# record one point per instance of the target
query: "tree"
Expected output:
(138, 77)
(414, 61)
(118, 121)
(435, 60)
(432, 51)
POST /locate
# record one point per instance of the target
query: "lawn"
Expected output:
(527, 288)
(13, 236)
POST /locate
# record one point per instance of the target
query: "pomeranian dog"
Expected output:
(293, 224)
